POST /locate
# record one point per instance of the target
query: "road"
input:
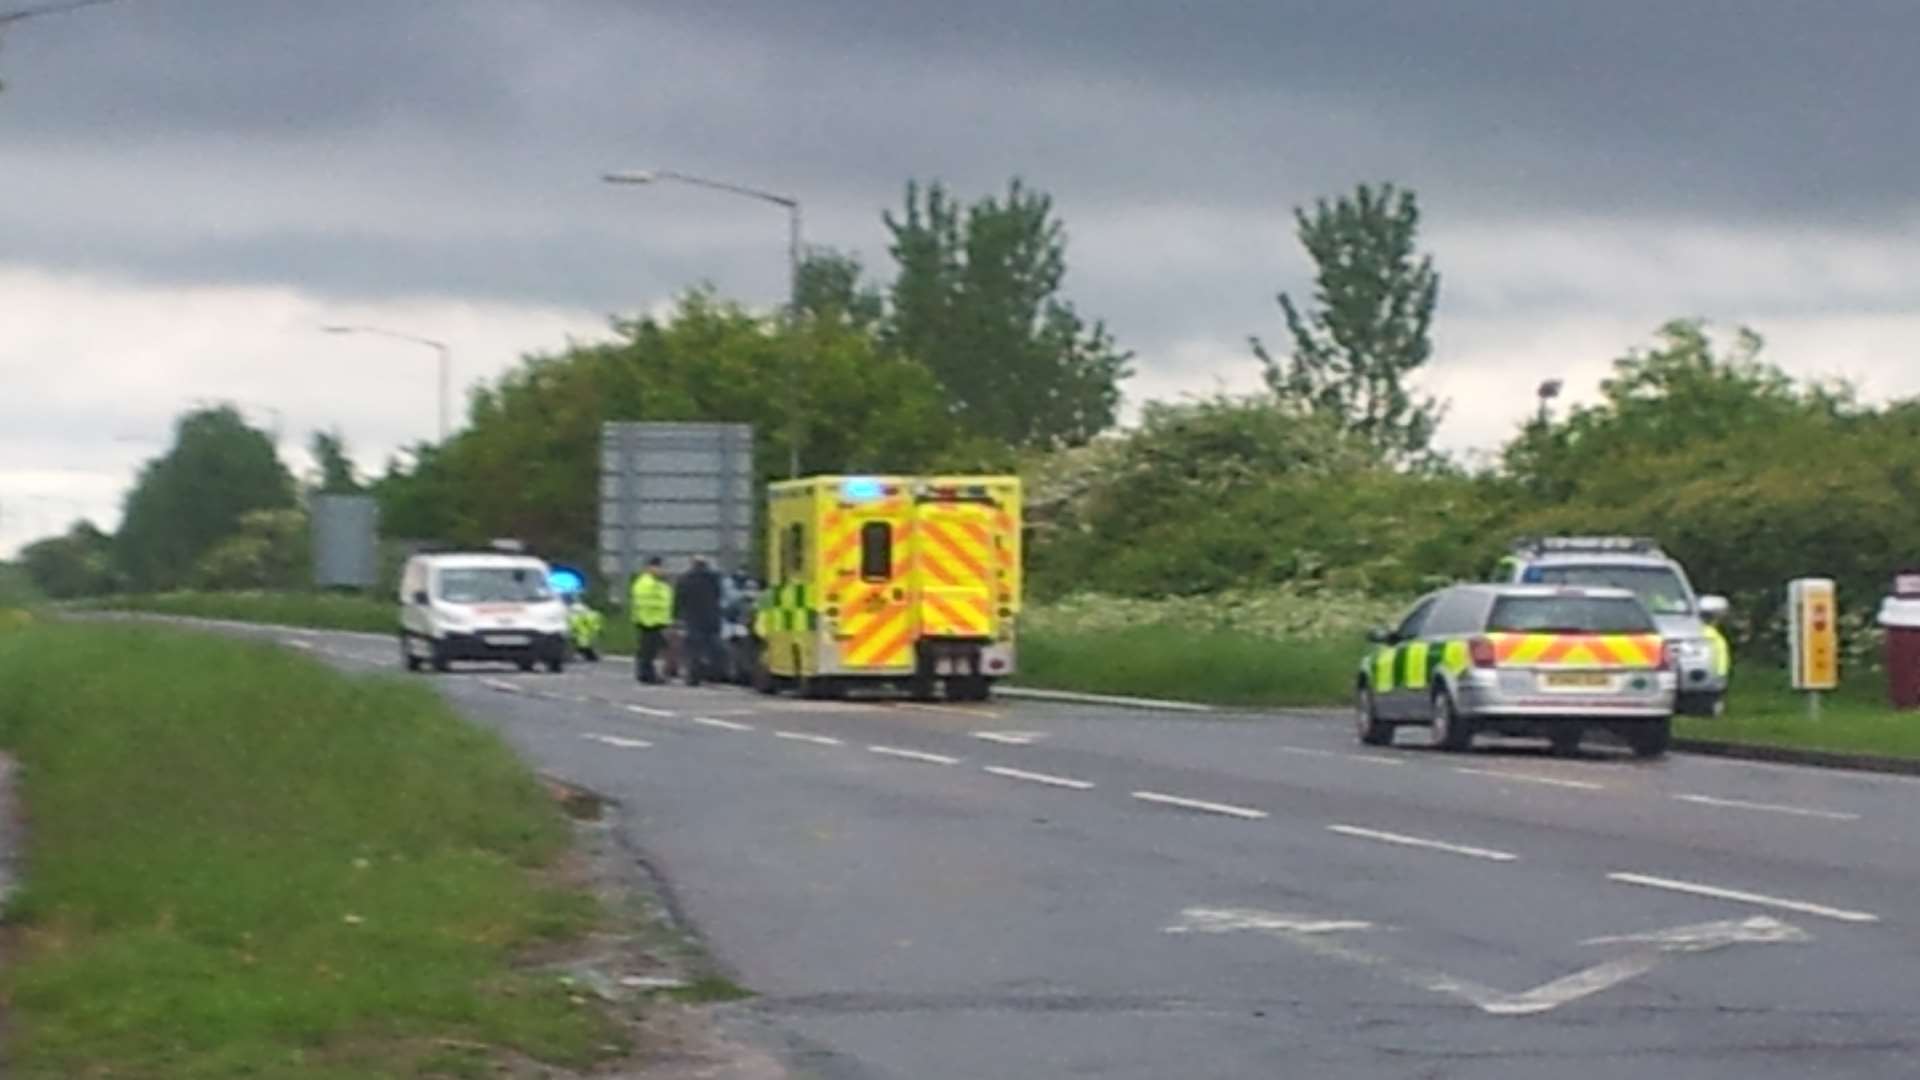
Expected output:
(1033, 890)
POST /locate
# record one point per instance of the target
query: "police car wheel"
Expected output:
(1451, 731)
(1373, 731)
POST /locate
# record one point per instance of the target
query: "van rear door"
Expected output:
(956, 553)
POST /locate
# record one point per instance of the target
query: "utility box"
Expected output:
(1900, 619)
(1813, 633)
(346, 549)
(675, 491)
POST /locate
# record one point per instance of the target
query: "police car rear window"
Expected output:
(1569, 615)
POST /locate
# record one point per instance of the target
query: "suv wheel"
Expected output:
(1648, 740)
(1366, 719)
(1451, 731)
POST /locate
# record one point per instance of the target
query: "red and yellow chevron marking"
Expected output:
(955, 614)
(956, 552)
(1577, 650)
(884, 639)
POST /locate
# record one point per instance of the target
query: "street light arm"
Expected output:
(379, 332)
(23, 14)
(649, 176)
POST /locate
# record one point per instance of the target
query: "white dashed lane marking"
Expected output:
(620, 741)
(1245, 812)
(1771, 808)
(501, 685)
(807, 737)
(1529, 778)
(642, 710)
(1010, 738)
(915, 755)
(1742, 897)
(1419, 842)
(1039, 778)
(1370, 759)
(724, 725)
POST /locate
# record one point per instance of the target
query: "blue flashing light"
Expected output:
(860, 489)
(565, 581)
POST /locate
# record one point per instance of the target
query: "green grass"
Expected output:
(322, 611)
(244, 864)
(1215, 667)
(1855, 719)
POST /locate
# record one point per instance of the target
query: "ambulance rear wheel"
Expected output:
(969, 688)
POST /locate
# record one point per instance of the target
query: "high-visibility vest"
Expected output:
(652, 601)
(585, 624)
(1722, 653)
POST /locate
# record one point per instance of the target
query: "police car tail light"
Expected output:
(1668, 661)
(1481, 652)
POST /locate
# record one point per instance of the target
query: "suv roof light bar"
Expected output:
(1612, 545)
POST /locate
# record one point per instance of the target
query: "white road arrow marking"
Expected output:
(1319, 936)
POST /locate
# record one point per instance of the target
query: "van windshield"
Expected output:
(1569, 615)
(1658, 587)
(493, 585)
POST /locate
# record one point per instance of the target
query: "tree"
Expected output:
(831, 291)
(272, 549)
(1368, 332)
(527, 463)
(977, 300)
(333, 466)
(194, 496)
(76, 563)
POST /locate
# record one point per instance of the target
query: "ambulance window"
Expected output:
(876, 551)
(796, 560)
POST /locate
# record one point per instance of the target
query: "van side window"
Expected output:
(876, 551)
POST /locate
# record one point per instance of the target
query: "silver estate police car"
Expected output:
(1521, 660)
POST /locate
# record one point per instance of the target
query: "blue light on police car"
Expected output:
(860, 489)
(565, 581)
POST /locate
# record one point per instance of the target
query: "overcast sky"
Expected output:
(189, 188)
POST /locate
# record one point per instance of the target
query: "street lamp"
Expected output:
(792, 207)
(439, 347)
(1548, 390)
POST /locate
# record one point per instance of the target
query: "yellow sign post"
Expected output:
(1813, 638)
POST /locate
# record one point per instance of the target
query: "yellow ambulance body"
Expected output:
(904, 580)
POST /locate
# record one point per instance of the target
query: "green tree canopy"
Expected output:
(527, 465)
(194, 495)
(1368, 330)
(77, 563)
(333, 467)
(977, 300)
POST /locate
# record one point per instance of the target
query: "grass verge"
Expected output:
(1856, 719)
(322, 611)
(242, 863)
(1214, 667)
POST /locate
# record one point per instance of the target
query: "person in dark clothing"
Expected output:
(696, 606)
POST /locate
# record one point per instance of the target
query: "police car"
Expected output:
(1552, 661)
(1702, 660)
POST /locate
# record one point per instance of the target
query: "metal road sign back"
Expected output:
(676, 491)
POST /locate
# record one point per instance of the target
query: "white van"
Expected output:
(480, 606)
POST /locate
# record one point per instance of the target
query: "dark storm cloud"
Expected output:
(367, 146)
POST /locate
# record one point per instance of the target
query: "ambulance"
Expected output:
(901, 581)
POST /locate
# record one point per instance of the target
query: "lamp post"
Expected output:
(439, 347)
(1548, 390)
(792, 206)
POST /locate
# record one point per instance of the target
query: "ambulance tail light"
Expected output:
(1480, 650)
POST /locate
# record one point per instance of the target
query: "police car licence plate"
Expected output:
(1576, 680)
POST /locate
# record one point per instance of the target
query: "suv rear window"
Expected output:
(1569, 615)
